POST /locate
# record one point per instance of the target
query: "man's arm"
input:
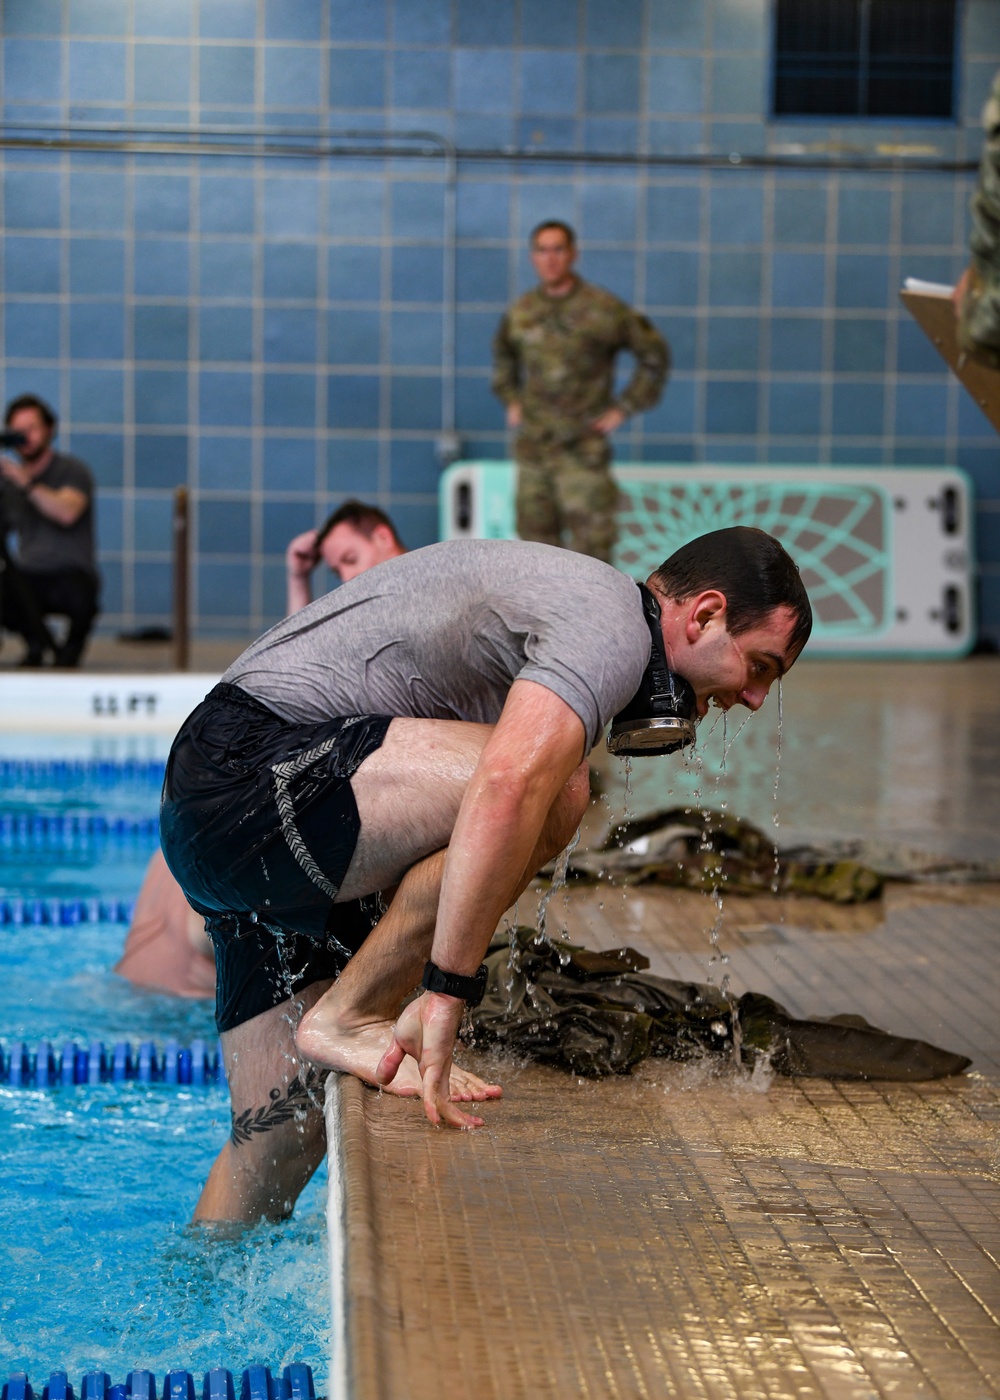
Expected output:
(63, 505)
(537, 745)
(301, 557)
(506, 383)
(652, 364)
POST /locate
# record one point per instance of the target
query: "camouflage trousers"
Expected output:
(566, 495)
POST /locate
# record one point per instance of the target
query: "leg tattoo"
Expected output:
(296, 1099)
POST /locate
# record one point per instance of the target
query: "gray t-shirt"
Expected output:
(443, 632)
(43, 545)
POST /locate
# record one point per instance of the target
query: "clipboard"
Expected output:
(931, 307)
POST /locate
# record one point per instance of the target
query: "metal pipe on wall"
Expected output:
(292, 143)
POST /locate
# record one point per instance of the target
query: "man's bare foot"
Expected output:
(359, 1050)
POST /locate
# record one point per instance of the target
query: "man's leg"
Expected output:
(21, 611)
(588, 497)
(355, 1025)
(73, 594)
(277, 1138)
(536, 508)
(408, 795)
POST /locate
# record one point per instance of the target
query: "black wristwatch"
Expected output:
(471, 990)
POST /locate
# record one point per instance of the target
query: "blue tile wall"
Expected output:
(352, 466)
(275, 332)
(225, 463)
(151, 521)
(33, 264)
(103, 452)
(161, 461)
(290, 465)
(799, 213)
(797, 343)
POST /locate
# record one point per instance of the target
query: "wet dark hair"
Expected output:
(361, 517)
(553, 223)
(31, 401)
(752, 569)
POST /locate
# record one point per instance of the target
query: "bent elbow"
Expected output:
(508, 791)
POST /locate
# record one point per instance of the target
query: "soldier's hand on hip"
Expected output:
(609, 420)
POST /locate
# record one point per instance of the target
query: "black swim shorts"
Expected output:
(258, 824)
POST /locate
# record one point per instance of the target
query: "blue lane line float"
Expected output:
(46, 1066)
(71, 831)
(28, 913)
(64, 774)
(294, 1383)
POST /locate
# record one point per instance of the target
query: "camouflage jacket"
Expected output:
(555, 356)
(979, 329)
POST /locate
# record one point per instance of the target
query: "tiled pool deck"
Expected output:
(684, 1232)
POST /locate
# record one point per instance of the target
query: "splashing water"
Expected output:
(557, 883)
(728, 744)
(761, 1075)
(628, 787)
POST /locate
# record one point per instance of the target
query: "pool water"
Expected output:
(99, 1181)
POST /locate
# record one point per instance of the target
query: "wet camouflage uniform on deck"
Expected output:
(555, 357)
(979, 327)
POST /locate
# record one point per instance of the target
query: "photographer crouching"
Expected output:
(47, 502)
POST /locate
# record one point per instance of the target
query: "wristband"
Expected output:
(471, 990)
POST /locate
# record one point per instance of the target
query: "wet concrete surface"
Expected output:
(694, 1230)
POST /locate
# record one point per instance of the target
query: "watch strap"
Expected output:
(471, 990)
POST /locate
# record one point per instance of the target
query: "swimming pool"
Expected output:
(99, 1180)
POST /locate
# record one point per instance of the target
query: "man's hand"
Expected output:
(514, 415)
(64, 505)
(609, 421)
(302, 556)
(426, 1029)
(15, 472)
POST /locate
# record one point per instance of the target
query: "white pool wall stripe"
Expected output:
(336, 1234)
(92, 702)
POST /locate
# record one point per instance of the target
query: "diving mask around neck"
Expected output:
(661, 716)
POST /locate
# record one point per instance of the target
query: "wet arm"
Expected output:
(535, 748)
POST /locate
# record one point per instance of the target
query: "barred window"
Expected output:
(864, 58)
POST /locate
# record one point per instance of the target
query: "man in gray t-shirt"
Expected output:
(444, 632)
(422, 731)
(46, 500)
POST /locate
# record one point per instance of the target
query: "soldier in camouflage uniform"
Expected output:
(554, 356)
(978, 293)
